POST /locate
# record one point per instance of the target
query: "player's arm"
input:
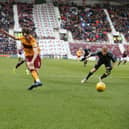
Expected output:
(7, 34)
(114, 59)
(92, 54)
(35, 49)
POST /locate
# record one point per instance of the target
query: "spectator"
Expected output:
(88, 24)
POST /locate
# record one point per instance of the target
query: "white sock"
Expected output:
(37, 80)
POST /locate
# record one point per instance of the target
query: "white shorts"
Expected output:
(124, 59)
(21, 56)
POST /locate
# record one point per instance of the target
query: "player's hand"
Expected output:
(1, 30)
(30, 65)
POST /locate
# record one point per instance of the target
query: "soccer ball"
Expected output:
(100, 86)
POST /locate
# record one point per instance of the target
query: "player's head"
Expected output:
(104, 50)
(25, 32)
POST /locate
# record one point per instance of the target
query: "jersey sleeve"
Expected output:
(113, 57)
(33, 42)
(20, 38)
(95, 53)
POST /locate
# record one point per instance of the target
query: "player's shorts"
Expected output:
(83, 59)
(123, 58)
(21, 56)
(37, 62)
(107, 65)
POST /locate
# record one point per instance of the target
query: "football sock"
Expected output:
(85, 62)
(35, 75)
(19, 63)
(119, 63)
(89, 74)
(124, 62)
(104, 76)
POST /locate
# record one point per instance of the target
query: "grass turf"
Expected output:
(63, 103)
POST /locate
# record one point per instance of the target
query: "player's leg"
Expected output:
(35, 75)
(37, 81)
(20, 62)
(120, 61)
(27, 71)
(124, 61)
(92, 71)
(85, 63)
(107, 73)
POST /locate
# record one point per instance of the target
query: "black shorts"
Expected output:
(83, 59)
(107, 65)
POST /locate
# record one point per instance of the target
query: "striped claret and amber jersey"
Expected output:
(28, 45)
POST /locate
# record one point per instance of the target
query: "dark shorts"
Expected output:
(37, 62)
(107, 65)
(83, 59)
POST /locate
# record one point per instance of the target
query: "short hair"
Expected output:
(26, 30)
(105, 48)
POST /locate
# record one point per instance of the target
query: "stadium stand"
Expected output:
(45, 20)
(6, 16)
(87, 24)
(120, 19)
(26, 16)
(94, 47)
(7, 46)
(50, 47)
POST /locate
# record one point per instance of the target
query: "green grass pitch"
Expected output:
(63, 103)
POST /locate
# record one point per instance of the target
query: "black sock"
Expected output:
(119, 63)
(19, 63)
(85, 62)
(104, 76)
(89, 74)
(124, 62)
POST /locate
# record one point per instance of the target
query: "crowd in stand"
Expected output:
(88, 24)
(7, 46)
(6, 22)
(120, 19)
(6, 16)
(25, 12)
